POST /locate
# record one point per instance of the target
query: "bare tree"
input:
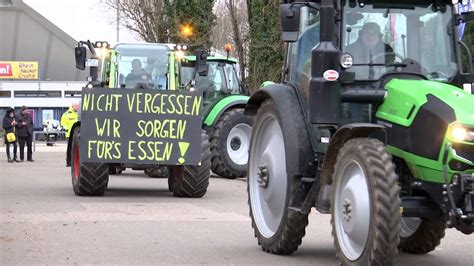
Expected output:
(232, 27)
(147, 18)
(235, 16)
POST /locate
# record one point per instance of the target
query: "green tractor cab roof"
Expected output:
(213, 58)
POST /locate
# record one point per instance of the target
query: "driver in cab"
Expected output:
(138, 74)
(369, 47)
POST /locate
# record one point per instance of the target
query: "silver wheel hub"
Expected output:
(267, 178)
(238, 142)
(352, 210)
(346, 210)
(262, 179)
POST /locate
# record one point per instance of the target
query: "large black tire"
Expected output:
(88, 179)
(423, 238)
(365, 204)
(284, 234)
(230, 156)
(192, 180)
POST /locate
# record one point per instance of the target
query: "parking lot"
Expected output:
(138, 221)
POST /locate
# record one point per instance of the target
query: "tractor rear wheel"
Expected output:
(192, 180)
(230, 143)
(88, 179)
(420, 236)
(270, 189)
(365, 204)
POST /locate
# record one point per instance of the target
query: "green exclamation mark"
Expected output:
(183, 147)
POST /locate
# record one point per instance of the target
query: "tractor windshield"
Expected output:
(401, 37)
(146, 63)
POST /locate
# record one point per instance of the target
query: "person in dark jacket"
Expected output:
(24, 131)
(9, 123)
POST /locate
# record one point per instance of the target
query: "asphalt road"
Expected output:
(138, 221)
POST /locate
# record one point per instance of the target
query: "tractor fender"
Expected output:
(342, 135)
(71, 136)
(299, 152)
(223, 105)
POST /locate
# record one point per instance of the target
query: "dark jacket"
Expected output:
(361, 53)
(24, 130)
(7, 123)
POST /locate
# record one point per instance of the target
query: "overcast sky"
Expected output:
(82, 19)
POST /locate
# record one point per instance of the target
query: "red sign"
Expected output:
(6, 70)
(331, 75)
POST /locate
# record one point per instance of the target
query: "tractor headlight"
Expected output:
(460, 133)
(179, 54)
(346, 60)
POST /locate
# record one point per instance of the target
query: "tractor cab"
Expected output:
(143, 63)
(374, 42)
(220, 81)
(416, 39)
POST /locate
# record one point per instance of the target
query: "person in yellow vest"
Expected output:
(67, 121)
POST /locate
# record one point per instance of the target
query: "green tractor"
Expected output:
(373, 124)
(90, 178)
(159, 67)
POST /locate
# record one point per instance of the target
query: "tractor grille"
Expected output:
(464, 150)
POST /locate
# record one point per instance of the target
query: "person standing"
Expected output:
(24, 131)
(9, 124)
(67, 121)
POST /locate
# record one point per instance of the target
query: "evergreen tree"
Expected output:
(266, 53)
(468, 38)
(196, 15)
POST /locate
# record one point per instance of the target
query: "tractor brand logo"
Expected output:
(6, 70)
(331, 75)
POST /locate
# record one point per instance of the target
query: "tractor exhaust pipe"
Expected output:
(325, 90)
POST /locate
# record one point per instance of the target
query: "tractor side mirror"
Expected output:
(81, 54)
(201, 62)
(289, 22)
(464, 17)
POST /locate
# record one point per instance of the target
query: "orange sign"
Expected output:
(18, 70)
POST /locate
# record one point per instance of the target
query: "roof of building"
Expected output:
(28, 36)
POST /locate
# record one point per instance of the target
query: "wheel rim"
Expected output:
(409, 226)
(238, 142)
(352, 210)
(267, 177)
(76, 161)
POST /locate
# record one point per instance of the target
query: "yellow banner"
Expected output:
(18, 70)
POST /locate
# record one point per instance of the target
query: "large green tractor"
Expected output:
(373, 124)
(159, 67)
(148, 68)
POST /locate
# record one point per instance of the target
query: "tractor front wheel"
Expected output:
(230, 143)
(88, 179)
(420, 236)
(270, 189)
(365, 204)
(192, 180)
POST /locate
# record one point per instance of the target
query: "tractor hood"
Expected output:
(406, 97)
